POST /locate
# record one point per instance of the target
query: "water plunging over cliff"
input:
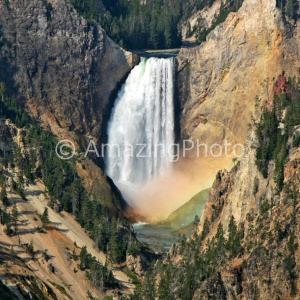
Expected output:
(143, 117)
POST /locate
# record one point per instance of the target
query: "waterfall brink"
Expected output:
(141, 129)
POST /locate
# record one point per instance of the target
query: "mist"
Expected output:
(175, 186)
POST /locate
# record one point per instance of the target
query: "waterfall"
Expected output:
(141, 127)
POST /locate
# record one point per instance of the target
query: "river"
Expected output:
(157, 236)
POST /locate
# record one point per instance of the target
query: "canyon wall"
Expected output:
(218, 80)
(267, 234)
(64, 68)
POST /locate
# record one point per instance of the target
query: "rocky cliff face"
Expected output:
(64, 69)
(136, 264)
(267, 264)
(239, 192)
(218, 80)
(207, 14)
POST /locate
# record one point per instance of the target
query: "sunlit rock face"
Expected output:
(218, 80)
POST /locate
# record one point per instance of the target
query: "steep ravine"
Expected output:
(65, 72)
(51, 269)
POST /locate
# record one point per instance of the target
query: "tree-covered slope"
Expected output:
(151, 24)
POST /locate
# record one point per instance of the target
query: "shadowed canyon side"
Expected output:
(61, 64)
(63, 71)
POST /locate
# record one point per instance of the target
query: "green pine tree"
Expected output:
(188, 30)
(15, 217)
(45, 218)
(20, 185)
(83, 258)
(233, 244)
(149, 285)
(168, 35)
(113, 245)
(163, 291)
(290, 9)
(3, 196)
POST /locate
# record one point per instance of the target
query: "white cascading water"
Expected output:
(143, 115)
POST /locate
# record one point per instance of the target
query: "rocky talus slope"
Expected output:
(218, 80)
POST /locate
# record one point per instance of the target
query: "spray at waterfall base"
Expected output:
(191, 170)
